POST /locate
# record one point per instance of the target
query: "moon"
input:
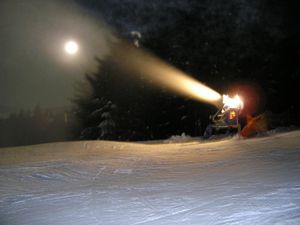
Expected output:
(71, 47)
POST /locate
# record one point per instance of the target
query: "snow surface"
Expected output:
(232, 181)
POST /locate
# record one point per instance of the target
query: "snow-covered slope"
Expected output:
(255, 181)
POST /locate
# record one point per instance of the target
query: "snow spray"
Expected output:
(140, 62)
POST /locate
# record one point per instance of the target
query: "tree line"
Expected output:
(35, 126)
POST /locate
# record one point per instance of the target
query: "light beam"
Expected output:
(142, 63)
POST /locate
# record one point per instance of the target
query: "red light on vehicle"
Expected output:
(232, 115)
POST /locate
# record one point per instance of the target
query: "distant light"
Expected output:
(71, 47)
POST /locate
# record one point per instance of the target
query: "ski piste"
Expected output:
(228, 181)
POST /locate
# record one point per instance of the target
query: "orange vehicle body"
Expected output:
(255, 125)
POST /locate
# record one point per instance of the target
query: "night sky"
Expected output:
(221, 43)
(34, 69)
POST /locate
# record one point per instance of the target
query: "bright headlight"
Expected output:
(234, 103)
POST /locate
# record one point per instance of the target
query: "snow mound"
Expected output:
(178, 138)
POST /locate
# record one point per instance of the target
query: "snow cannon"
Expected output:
(226, 119)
